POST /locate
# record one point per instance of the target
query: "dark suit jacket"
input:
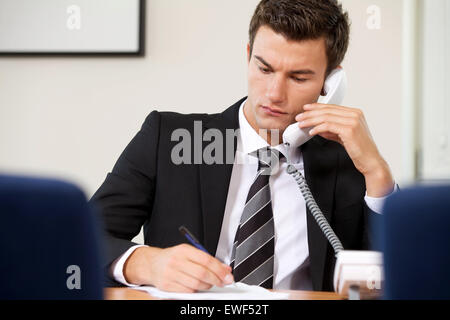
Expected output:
(145, 188)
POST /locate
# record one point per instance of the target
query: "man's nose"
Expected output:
(276, 91)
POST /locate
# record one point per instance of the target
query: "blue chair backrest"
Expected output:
(416, 243)
(49, 241)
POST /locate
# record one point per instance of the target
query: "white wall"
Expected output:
(434, 141)
(374, 67)
(71, 117)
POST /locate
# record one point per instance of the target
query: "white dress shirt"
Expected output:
(291, 260)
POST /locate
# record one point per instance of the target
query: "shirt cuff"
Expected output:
(376, 204)
(117, 266)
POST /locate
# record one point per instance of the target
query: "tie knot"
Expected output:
(268, 159)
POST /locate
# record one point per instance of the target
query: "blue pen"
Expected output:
(185, 232)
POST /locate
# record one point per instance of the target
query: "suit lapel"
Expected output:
(215, 179)
(320, 173)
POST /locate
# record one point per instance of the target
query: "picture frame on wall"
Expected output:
(72, 27)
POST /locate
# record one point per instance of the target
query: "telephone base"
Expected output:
(363, 269)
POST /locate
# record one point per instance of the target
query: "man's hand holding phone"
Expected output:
(348, 127)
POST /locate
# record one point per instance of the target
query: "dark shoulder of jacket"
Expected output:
(169, 121)
(178, 118)
(350, 182)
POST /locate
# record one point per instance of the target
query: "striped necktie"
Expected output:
(253, 249)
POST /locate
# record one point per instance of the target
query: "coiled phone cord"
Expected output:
(315, 210)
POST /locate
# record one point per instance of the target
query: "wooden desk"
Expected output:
(130, 294)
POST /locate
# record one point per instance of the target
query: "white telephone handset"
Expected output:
(335, 88)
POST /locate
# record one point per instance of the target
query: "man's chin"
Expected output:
(272, 126)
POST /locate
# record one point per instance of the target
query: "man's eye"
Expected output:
(300, 79)
(264, 70)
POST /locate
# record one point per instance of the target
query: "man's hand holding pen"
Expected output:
(182, 268)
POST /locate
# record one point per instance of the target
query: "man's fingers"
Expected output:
(222, 271)
(198, 271)
(190, 282)
(338, 111)
(328, 127)
(327, 118)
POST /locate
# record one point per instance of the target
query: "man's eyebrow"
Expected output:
(303, 71)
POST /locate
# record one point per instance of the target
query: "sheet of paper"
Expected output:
(235, 291)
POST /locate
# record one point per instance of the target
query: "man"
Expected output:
(293, 47)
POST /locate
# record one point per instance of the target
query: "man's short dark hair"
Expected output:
(306, 20)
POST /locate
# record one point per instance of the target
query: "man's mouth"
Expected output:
(273, 112)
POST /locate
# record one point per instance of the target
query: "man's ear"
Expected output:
(248, 53)
(323, 92)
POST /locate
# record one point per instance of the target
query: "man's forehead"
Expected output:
(280, 53)
(266, 37)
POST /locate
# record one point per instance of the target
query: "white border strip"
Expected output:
(409, 91)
